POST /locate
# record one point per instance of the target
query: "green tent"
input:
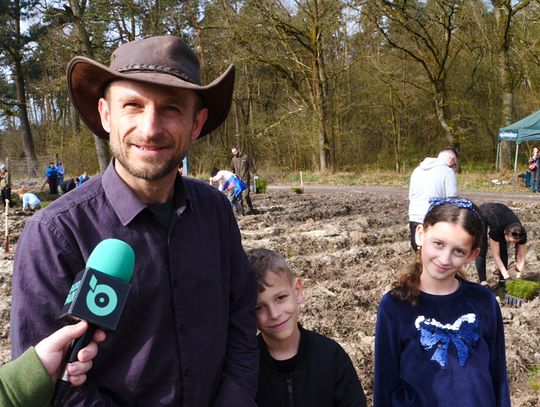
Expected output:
(526, 129)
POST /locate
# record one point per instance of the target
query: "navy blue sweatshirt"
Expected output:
(446, 351)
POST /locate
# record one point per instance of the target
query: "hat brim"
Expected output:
(87, 80)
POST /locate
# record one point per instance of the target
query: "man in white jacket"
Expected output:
(434, 177)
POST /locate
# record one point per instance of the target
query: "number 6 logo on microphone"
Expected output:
(101, 300)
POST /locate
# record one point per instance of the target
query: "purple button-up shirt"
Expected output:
(187, 333)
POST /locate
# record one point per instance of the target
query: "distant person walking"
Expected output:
(434, 177)
(534, 162)
(5, 184)
(502, 229)
(52, 178)
(242, 167)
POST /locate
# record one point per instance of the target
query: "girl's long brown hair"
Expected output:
(407, 287)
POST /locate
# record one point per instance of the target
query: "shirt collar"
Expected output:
(127, 205)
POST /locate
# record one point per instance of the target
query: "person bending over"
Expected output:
(502, 229)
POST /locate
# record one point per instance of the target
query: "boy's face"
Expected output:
(277, 309)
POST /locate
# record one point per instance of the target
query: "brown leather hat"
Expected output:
(165, 61)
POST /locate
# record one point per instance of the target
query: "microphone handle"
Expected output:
(62, 384)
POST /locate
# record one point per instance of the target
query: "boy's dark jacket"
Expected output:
(324, 376)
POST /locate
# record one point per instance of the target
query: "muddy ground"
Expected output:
(348, 247)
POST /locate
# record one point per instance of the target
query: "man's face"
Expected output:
(451, 160)
(150, 127)
(235, 152)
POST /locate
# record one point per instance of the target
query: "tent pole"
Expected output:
(515, 164)
(497, 156)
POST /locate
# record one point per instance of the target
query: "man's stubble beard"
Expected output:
(152, 172)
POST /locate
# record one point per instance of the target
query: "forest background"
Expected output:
(321, 85)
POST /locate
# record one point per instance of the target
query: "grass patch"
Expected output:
(534, 377)
(467, 180)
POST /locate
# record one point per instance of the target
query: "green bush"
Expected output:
(524, 289)
(261, 185)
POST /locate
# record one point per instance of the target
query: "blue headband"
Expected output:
(457, 202)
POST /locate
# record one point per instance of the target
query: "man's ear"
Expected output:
(198, 123)
(104, 114)
(419, 235)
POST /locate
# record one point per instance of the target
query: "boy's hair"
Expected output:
(265, 261)
(407, 287)
(22, 190)
(517, 230)
(214, 172)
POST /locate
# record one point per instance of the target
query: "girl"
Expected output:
(505, 230)
(439, 339)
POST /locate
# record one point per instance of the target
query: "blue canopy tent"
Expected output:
(526, 129)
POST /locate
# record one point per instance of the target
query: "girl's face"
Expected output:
(446, 247)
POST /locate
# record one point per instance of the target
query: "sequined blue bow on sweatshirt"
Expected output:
(462, 333)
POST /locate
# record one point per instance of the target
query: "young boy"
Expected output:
(297, 367)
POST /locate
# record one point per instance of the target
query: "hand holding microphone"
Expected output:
(98, 296)
(51, 351)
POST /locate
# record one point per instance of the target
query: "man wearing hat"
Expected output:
(187, 333)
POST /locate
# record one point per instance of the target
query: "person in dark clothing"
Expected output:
(187, 336)
(52, 178)
(297, 367)
(242, 167)
(502, 229)
(68, 185)
(534, 162)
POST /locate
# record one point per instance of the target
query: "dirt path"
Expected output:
(349, 244)
(484, 196)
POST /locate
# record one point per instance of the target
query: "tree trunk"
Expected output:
(28, 143)
(502, 19)
(443, 113)
(396, 125)
(102, 148)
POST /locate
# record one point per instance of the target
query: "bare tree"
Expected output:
(425, 32)
(504, 11)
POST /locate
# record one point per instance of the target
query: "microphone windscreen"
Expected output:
(113, 257)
